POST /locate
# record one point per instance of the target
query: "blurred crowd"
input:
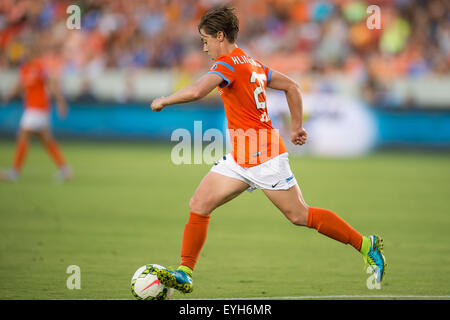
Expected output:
(297, 37)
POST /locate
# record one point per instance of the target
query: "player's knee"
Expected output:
(201, 206)
(298, 217)
(46, 138)
(298, 220)
(23, 135)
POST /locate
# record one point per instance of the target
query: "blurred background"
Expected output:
(376, 108)
(363, 88)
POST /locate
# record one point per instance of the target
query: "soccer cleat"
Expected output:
(375, 258)
(10, 175)
(64, 174)
(176, 279)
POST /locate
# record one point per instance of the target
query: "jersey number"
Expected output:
(260, 78)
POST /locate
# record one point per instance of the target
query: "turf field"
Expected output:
(128, 204)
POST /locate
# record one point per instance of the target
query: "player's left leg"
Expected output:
(55, 153)
(292, 205)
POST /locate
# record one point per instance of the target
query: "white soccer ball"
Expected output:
(146, 286)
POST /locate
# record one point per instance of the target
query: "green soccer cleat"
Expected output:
(375, 258)
(176, 279)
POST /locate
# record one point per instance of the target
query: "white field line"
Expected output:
(332, 297)
(338, 297)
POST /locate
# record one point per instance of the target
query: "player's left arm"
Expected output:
(192, 92)
(291, 88)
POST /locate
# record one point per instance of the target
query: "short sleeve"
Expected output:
(268, 72)
(225, 70)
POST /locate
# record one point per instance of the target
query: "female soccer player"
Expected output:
(259, 158)
(35, 83)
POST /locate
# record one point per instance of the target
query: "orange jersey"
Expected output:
(33, 77)
(243, 92)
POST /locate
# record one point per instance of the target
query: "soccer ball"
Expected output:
(146, 286)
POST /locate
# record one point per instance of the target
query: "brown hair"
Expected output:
(220, 19)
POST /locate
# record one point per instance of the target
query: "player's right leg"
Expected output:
(21, 150)
(214, 190)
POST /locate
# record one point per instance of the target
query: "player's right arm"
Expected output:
(14, 91)
(291, 89)
(55, 88)
(192, 92)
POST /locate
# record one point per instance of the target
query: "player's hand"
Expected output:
(158, 104)
(299, 136)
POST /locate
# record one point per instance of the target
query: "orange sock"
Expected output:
(55, 153)
(194, 237)
(20, 154)
(330, 224)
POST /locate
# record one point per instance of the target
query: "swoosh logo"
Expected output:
(274, 185)
(154, 282)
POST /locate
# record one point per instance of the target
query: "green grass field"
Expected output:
(128, 205)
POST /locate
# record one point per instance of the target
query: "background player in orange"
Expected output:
(259, 158)
(36, 82)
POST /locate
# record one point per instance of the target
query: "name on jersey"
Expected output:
(244, 59)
